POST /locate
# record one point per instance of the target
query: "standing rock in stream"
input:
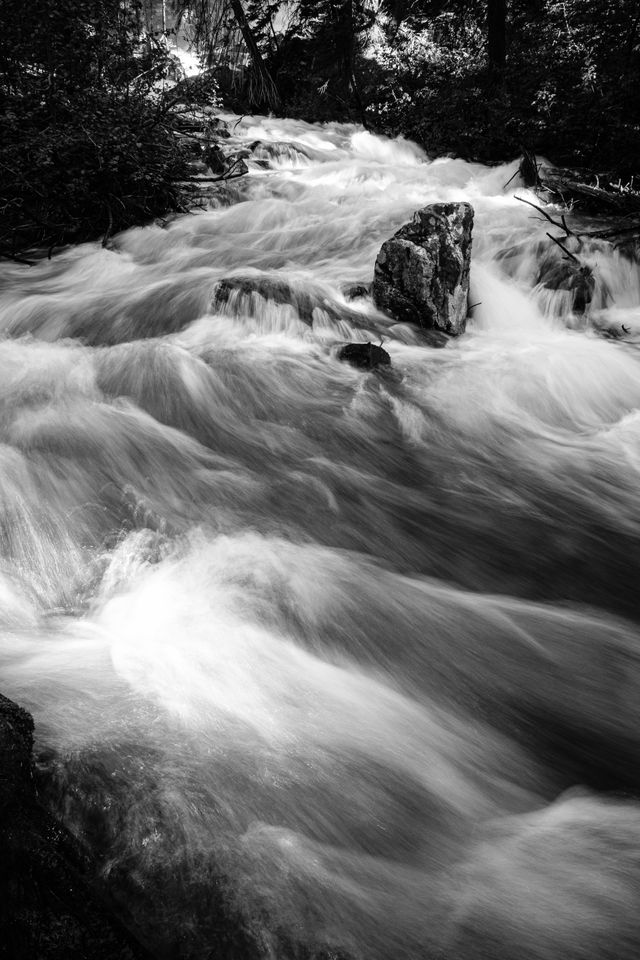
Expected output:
(422, 272)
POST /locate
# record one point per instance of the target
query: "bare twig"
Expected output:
(570, 255)
(510, 179)
(561, 226)
(609, 234)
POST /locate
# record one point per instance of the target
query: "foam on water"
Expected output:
(348, 659)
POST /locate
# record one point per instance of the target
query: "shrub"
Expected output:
(85, 141)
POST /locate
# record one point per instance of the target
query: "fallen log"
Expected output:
(584, 192)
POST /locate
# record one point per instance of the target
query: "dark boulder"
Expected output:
(422, 273)
(47, 910)
(367, 356)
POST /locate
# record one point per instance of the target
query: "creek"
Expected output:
(323, 662)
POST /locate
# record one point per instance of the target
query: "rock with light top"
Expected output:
(422, 272)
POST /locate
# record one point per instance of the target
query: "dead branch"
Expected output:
(569, 255)
(611, 233)
(561, 226)
(107, 232)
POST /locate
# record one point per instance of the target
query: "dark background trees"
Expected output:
(481, 80)
(84, 148)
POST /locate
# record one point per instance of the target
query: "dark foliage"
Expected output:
(567, 89)
(85, 141)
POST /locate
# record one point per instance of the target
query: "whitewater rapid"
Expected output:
(347, 663)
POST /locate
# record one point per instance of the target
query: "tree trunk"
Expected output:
(268, 86)
(496, 35)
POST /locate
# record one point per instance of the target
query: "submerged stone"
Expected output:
(305, 298)
(356, 291)
(422, 272)
(575, 278)
(275, 289)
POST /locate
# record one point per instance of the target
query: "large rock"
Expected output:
(47, 909)
(422, 272)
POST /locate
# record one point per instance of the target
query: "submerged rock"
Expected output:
(572, 276)
(47, 910)
(304, 297)
(276, 289)
(215, 158)
(422, 272)
(367, 356)
(357, 290)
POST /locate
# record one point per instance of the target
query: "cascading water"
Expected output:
(344, 663)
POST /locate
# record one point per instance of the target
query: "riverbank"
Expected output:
(50, 909)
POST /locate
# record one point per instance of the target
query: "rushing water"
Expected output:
(326, 662)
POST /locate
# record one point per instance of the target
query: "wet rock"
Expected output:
(304, 297)
(269, 288)
(577, 279)
(367, 356)
(357, 290)
(219, 127)
(237, 167)
(279, 150)
(215, 159)
(47, 910)
(223, 164)
(422, 273)
(16, 742)
(581, 286)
